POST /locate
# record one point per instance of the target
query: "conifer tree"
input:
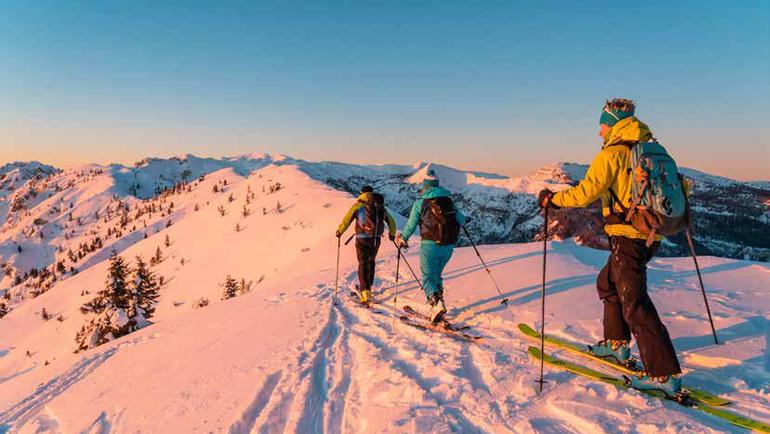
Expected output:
(115, 293)
(231, 288)
(145, 292)
(110, 308)
(158, 256)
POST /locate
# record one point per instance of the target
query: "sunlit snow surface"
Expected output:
(282, 359)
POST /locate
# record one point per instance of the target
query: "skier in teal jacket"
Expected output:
(434, 253)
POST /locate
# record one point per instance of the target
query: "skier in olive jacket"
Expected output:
(370, 215)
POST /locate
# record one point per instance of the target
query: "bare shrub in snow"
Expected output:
(201, 302)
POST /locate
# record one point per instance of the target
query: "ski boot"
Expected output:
(671, 385)
(437, 307)
(613, 349)
(366, 297)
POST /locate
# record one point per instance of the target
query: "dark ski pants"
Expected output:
(366, 248)
(628, 309)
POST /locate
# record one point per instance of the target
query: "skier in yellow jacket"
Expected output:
(622, 283)
(370, 215)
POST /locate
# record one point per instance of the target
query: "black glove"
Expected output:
(338, 234)
(544, 199)
(392, 237)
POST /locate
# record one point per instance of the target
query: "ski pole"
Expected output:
(337, 278)
(410, 268)
(505, 300)
(700, 280)
(542, 299)
(350, 238)
(395, 295)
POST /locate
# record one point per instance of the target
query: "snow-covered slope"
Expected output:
(280, 358)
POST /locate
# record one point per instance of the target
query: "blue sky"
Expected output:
(499, 86)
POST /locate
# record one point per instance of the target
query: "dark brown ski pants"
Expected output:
(628, 309)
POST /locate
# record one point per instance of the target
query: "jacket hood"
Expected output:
(628, 130)
(434, 192)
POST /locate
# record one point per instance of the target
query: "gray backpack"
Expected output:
(658, 199)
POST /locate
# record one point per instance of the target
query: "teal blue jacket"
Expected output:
(415, 214)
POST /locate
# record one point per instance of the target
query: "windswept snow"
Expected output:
(282, 358)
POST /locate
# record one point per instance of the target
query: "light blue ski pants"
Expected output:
(433, 259)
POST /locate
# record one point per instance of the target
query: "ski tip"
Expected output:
(527, 329)
(535, 352)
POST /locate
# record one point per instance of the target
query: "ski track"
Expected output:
(18, 414)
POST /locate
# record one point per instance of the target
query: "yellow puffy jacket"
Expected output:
(610, 170)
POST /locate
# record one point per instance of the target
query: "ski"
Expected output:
(728, 416)
(581, 350)
(426, 325)
(410, 310)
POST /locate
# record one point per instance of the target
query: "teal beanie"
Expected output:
(431, 180)
(610, 117)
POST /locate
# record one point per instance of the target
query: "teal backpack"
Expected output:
(658, 198)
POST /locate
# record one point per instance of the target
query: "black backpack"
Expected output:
(439, 221)
(373, 223)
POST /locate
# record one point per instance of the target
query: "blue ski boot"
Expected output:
(611, 349)
(670, 385)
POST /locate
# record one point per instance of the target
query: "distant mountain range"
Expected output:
(43, 209)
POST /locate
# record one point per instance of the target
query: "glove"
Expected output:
(544, 199)
(392, 237)
(338, 234)
(401, 243)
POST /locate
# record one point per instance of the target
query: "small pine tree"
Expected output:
(231, 288)
(3, 309)
(278, 207)
(237, 227)
(246, 211)
(167, 241)
(231, 198)
(145, 292)
(45, 315)
(116, 291)
(110, 308)
(158, 258)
